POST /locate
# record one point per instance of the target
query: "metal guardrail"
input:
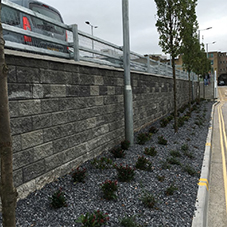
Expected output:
(85, 47)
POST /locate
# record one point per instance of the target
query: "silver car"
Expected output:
(16, 18)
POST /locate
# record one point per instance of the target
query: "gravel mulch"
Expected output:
(169, 210)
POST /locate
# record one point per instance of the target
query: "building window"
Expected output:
(211, 55)
(211, 62)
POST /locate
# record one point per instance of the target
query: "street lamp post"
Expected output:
(92, 33)
(202, 30)
(207, 47)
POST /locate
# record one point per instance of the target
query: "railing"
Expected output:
(84, 47)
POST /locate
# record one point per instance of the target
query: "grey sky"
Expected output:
(107, 15)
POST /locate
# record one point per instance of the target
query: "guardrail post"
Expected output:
(76, 55)
(148, 64)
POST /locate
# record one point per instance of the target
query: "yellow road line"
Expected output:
(222, 130)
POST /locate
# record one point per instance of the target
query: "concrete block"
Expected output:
(19, 91)
(16, 140)
(34, 170)
(98, 80)
(60, 145)
(99, 100)
(14, 108)
(12, 76)
(29, 107)
(18, 177)
(28, 75)
(32, 139)
(54, 161)
(94, 90)
(58, 90)
(23, 158)
(37, 91)
(21, 125)
(110, 90)
(59, 118)
(49, 105)
(43, 151)
(42, 121)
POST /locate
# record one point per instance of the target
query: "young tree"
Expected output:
(170, 27)
(190, 43)
(7, 190)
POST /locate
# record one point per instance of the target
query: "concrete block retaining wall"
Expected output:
(64, 113)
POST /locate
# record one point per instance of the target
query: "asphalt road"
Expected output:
(217, 202)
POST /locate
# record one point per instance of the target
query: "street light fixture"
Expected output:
(207, 46)
(202, 30)
(92, 33)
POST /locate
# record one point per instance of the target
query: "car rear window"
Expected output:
(10, 16)
(45, 10)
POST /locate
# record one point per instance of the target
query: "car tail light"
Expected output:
(26, 26)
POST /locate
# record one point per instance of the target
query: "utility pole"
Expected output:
(128, 104)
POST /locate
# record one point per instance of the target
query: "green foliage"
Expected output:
(162, 140)
(173, 161)
(102, 163)
(96, 219)
(190, 170)
(175, 153)
(125, 174)
(165, 165)
(164, 122)
(143, 163)
(118, 152)
(142, 138)
(148, 200)
(58, 199)
(129, 222)
(125, 144)
(109, 188)
(153, 130)
(79, 174)
(170, 190)
(184, 147)
(150, 151)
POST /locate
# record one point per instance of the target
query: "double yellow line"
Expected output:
(223, 143)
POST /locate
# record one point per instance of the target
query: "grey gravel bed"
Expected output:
(174, 210)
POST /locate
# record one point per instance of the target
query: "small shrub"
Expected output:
(175, 153)
(95, 219)
(58, 199)
(162, 140)
(190, 170)
(161, 178)
(173, 161)
(170, 118)
(164, 122)
(125, 174)
(118, 152)
(184, 147)
(102, 163)
(125, 144)
(142, 138)
(150, 151)
(188, 154)
(148, 200)
(165, 165)
(109, 188)
(153, 130)
(129, 222)
(143, 163)
(170, 190)
(79, 174)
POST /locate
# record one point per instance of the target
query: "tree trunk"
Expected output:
(174, 95)
(7, 190)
